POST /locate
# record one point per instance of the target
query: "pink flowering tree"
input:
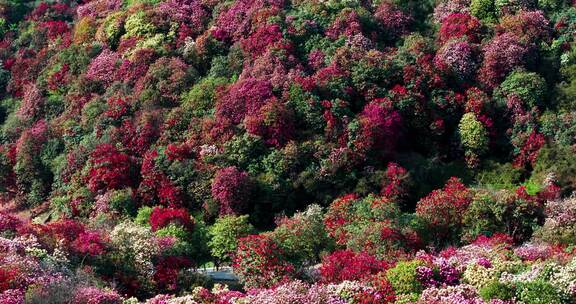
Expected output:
(379, 129)
(501, 56)
(243, 97)
(231, 189)
(103, 67)
(457, 59)
(394, 21)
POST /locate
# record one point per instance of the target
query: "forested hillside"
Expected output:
(329, 151)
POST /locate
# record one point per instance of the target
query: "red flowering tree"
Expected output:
(379, 129)
(273, 122)
(156, 186)
(259, 262)
(167, 270)
(32, 103)
(110, 169)
(245, 96)
(339, 215)
(347, 24)
(501, 56)
(8, 277)
(457, 25)
(138, 136)
(75, 237)
(231, 189)
(132, 69)
(103, 67)
(162, 217)
(529, 147)
(117, 108)
(261, 39)
(395, 185)
(192, 13)
(442, 209)
(89, 243)
(8, 222)
(346, 265)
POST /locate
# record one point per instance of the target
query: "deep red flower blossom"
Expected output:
(346, 265)
(257, 43)
(443, 208)
(162, 217)
(458, 25)
(90, 243)
(245, 96)
(110, 169)
(259, 262)
(273, 122)
(167, 270)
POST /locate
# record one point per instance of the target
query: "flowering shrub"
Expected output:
(135, 246)
(110, 169)
(457, 25)
(347, 24)
(502, 54)
(560, 224)
(93, 295)
(395, 186)
(346, 265)
(89, 243)
(244, 97)
(259, 262)
(8, 222)
(448, 7)
(442, 208)
(231, 188)
(379, 128)
(273, 122)
(167, 271)
(262, 38)
(529, 26)
(451, 295)
(457, 58)
(395, 22)
(162, 217)
(32, 102)
(103, 67)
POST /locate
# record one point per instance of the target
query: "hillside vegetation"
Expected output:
(329, 151)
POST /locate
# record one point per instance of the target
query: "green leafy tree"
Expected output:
(303, 236)
(224, 235)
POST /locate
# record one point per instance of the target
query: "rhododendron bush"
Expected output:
(287, 151)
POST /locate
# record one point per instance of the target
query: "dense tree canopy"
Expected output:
(385, 151)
